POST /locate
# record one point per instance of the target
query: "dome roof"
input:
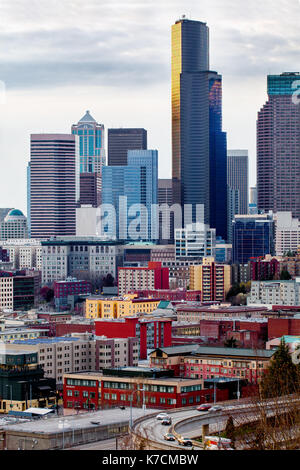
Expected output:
(15, 213)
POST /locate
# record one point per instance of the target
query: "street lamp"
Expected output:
(10, 386)
(144, 406)
(238, 389)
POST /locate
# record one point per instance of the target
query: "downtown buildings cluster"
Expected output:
(145, 265)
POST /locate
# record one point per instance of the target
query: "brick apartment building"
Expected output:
(204, 362)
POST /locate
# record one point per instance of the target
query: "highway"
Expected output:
(188, 423)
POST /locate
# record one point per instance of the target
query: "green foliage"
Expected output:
(282, 376)
(230, 343)
(238, 288)
(285, 275)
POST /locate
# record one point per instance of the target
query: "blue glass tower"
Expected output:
(137, 181)
(253, 236)
(199, 154)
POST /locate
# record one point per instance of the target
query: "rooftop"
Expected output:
(54, 424)
(87, 118)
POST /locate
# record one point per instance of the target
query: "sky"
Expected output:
(113, 57)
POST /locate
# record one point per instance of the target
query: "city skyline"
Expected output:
(38, 100)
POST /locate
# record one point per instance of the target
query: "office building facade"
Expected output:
(195, 242)
(14, 225)
(122, 140)
(198, 143)
(54, 184)
(237, 176)
(126, 189)
(253, 236)
(91, 144)
(278, 147)
(77, 257)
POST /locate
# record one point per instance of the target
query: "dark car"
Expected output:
(204, 407)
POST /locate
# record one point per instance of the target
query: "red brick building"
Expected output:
(204, 362)
(172, 294)
(157, 389)
(278, 327)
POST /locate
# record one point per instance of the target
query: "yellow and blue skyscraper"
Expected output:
(199, 149)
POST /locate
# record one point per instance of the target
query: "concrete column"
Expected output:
(205, 431)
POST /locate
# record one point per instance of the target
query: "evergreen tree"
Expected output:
(285, 275)
(282, 376)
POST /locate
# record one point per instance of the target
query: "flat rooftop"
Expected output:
(54, 424)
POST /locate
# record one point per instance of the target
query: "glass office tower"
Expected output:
(91, 144)
(198, 143)
(253, 236)
(137, 182)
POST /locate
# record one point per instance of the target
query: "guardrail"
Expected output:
(244, 407)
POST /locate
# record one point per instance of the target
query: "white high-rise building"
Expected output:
(195, 241)
(14, 225)
(287, 233)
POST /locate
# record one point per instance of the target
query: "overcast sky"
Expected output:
(60, 58)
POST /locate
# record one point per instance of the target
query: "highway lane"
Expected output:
(153, 429)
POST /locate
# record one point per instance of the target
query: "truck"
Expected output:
(217, 443)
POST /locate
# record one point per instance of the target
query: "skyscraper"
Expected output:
(91, 144)
(278, 147)
(54, 184)
(237, 176)
(137, 182)
(122, 140)
(165, 196)
(90, 189)
(198, 143)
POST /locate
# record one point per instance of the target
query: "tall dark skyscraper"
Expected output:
(54, 184)
(278, 147)
(122, 140)
(199, 156)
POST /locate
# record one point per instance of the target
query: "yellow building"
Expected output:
(117, 308)
(213, 280)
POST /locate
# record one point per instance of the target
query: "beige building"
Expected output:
(213, 280)
(81, 352)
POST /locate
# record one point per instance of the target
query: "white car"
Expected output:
(216, 408)
(162, 416)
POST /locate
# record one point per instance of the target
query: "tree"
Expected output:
(230, 431)
(282, 376)
(285, 275)
(46, 293)
(231, 343)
